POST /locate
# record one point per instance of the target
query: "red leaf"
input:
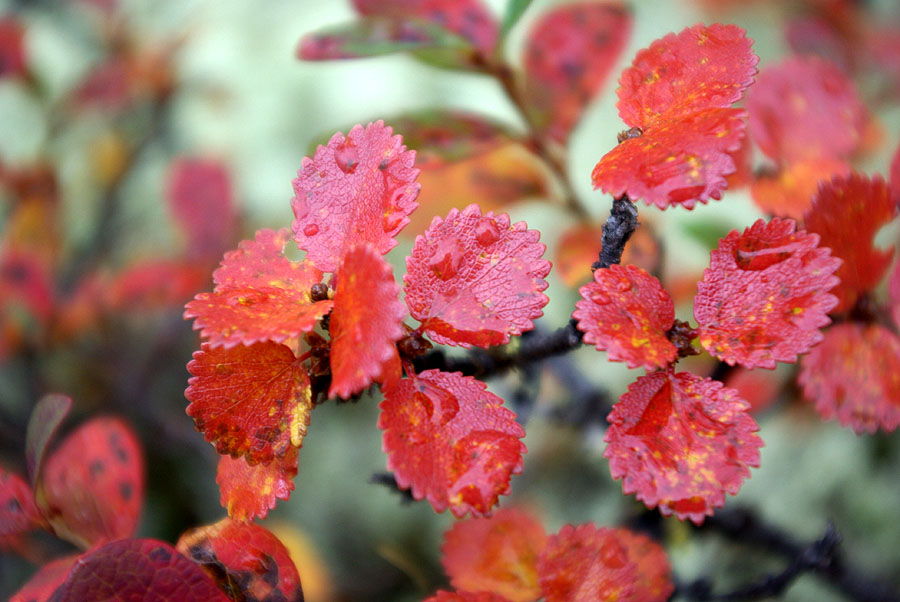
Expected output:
(18, 512)
(137, 569)
(568, 56)
(24, 285)
(47, 415)
(677, 161)
(654, 580)
(443, 596)
(895, 176)
(894, 294)
(12, 48)
(154, 284)
(764, 295)
(586, 563)
(357, 189)
(681, 442)
(247, 561)
(467, 18)
(92, 486)
(366, 322)
(260, 295)
(250, 401)
(46, 580)
(450, 440)
(854, 376)
(497, 554)
(867, 205)
(805, 108)
(476, 280)
(626, 313)
(249, 492)
(759, 388)
(789, 193)
(201, 201)
(702, 67)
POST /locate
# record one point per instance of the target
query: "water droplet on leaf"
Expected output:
(487, 232)
(346, 156)
(310, 230)
(446, 259)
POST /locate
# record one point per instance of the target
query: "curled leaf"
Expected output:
(249, 492)
(681, 442)
(47, 415)
(450, 440)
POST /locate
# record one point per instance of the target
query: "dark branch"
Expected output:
(388, 480)
(621, 224)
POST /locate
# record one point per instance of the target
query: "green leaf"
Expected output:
(514, 11)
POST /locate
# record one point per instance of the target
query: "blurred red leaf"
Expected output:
(247, 561)
(249, 492)
(497, 554)
(586, 563)
(46, 580)
(25, 286)
(789, 193)
(895, 176)
(450, 440)
(476, 280)
(764, 296)
(626, 312)
(854, 376)
(681, 442)
(759, 388)
(865, 203)
(579, 246)
(18, 512)
(92, 486)
(249, 401)
(366, 322)
(442, 596)
(137, 569)
(569, 54)
(358, 189)
(260, 295)
(805, 108)
(154, 284)
(201, 201)
(47, 415)
(654, 579)
(467, 18)
(894, 293)
(12, 48)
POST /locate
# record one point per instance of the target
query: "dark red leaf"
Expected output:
(450, 440)
(497, 554)
(366, 322)
(249, 492)
(764, 296)
(865, 203)
(805, 108)
(586, 563)
(260, 295)
(854, 376)
(137, 569)
(568, 57)
(250, 401)
(47, 415)
(476, 280)
(357, 189)
(245, 560)
(46, 580)
(626, 313)
(201, 201)
(18, 512)
(12, 48)
(681, 442)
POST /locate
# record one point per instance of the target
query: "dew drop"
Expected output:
(612, 554)
(446, 259)
(310, 230)
(346, 156)
(487, 232)
(624, 285)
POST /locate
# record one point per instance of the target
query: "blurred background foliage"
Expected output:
(221, 81)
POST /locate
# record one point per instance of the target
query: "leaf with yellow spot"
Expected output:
(252, 401)
(249, 492)
(681, 442)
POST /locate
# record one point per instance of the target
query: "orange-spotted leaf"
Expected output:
(12, 48)
(45, 419)
(579, 247)
(497, 554)
(586, 563)
(789, 193)
(854, 376)
(626, 312)
(677, 161)
(246, 560)
(450, 440)
(442, 596)
(360, 188)
(467, 18)
(249, 492)
(200, 198)
(250, 401)
(474, 279)
(260, 295)
(805, 108)
(701, 67)
(366, 322)
(681, 442)
(18, 511)
(865, 203)
(137, 569)
(764, 296)
(92, 486)
(654, 578)
(568, 56)
(46, 580)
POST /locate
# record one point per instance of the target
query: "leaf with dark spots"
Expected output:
(244, 559)
(92, 487)
(18, 511)
(47, 415)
